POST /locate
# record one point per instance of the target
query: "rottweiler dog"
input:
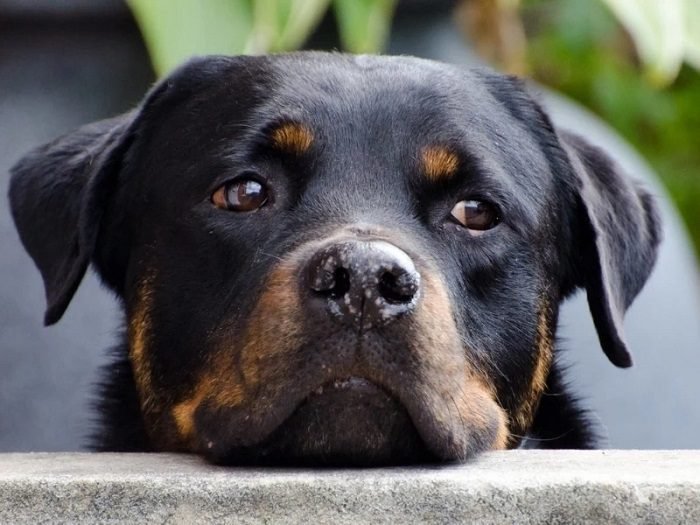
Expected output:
(327, 259)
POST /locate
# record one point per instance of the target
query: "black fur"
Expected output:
(560, 421)
(133, 196)
(119, 425)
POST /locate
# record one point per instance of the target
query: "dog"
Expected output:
(327, 259)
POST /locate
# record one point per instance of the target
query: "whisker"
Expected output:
(543, 440)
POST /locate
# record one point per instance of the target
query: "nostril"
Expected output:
(399, 288)
(333, 283)
(342, 283)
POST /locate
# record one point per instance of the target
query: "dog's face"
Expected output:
(335, 259)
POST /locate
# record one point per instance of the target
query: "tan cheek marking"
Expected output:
(473, 396)
(485, 409)
(275, 330)
(276, 327)
(439, 163)
(292, 138)
(153, 402)
(545, 347)
(522, 419)
(480, 409)
(439, 330)
(222, 391)
(139, 335)
(502, 434)
(183, 415)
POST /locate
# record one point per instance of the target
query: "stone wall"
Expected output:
(545, 487)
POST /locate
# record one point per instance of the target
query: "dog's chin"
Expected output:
(347, 422)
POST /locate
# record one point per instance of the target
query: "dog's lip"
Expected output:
(282, 409)
(346, 383)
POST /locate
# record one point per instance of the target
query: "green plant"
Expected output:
(174, 30)
(666, 33)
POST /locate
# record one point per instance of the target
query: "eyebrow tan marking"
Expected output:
(439, 162)
(292, 137)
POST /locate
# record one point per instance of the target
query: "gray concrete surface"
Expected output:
(504, 487)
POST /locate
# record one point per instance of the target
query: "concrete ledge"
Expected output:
(501, 487)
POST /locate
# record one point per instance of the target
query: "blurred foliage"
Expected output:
(175, 30)
(665, 33)
(577, 47)
(364, 25)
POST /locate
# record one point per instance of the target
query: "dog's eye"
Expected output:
(240, 195)
(477, 216)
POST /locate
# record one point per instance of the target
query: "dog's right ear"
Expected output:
(59, 191)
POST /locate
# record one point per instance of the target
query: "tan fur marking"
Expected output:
(522, 418)
(139, 335)
(292, 137)
(217, 389)
(502, 434)
(154, 402)
(481, 411)
(465, 396)
(485, 408)
(439, 163)
(274, 323)
(183, 414)
(545, 354)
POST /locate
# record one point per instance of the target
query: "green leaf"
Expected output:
(175, 30)
(658, 30)
(364, 24)
(283, 25)
(692, 32)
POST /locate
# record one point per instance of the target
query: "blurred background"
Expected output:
(624, 73)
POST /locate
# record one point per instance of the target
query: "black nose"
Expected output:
(364, 283)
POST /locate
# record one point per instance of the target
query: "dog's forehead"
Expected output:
(398, 106)
(363, 77)
(385, 91)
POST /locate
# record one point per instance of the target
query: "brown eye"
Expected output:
(477, 216)
(240, 195)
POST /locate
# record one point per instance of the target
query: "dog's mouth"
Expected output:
(354, 421)
(352, 383)
(348, 421)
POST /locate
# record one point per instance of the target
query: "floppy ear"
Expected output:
(615, 242)
(59, 192)
(54, 197)
(616, 228)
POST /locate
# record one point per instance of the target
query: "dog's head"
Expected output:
(327, 258)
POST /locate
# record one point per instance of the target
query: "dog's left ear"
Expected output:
(615, 240)
(55, 196)
(58, 192)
